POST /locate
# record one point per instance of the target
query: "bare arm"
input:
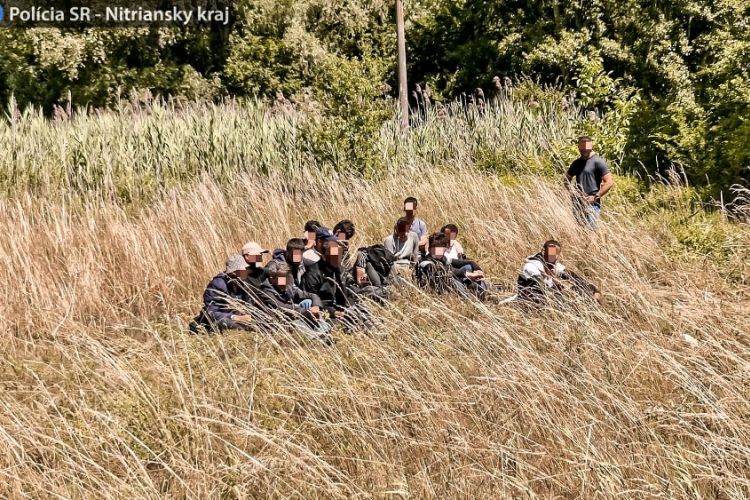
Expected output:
(566, 181)
(607, 183)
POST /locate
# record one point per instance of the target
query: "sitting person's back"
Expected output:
(544, 273)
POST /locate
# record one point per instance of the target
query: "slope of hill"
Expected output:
(105, 396)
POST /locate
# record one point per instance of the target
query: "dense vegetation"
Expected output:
(115, 219)
(104, 395)
(667, 81)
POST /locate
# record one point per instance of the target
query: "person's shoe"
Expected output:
(195, 328)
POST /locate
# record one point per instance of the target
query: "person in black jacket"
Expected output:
(227, 301)
(327, 280)
(301, 307)
(440, 273)
(253, 254)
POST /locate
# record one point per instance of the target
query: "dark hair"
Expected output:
(411, 199)
(345, 226)
(552, 243)
(329, 243)
(439, 240)
(277, 268)
(400, 221)
(452, 227)
(295, 244)
(311, 226)
(584, 138)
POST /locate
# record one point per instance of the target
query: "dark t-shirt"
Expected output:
(257, 276)
(588, 173)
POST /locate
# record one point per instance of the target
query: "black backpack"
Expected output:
(381, 259)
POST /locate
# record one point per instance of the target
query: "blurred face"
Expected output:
(437, 252)
(403, 230)
(253, 259)
(279, 282)
(585, 148)
(310, 239)
(239, 274)
(451, 234)
(341, 235)
(334, 255)
(410, 209)
(551, 254)
(294, 256)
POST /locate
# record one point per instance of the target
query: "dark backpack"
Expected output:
(381, 259)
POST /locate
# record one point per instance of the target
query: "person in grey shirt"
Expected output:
(403, 243)
(417, 225)
(593, 180)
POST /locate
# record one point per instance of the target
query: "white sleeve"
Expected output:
(531, 271)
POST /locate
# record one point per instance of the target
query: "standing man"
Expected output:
(593, 181)
(417, 225)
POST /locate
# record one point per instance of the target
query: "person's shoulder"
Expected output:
(578, 161)
(576, 166)
(532, 266)
(218, 281)
(599, 161)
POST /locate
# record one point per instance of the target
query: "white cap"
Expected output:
(253, 248)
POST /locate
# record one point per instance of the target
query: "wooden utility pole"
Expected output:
(403, 89)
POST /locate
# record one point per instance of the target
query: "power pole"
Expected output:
(403, 89)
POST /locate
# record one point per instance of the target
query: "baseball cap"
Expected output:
(323, 233)
(235, 263)
(253, 248)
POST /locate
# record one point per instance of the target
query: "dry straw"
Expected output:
(105, 396)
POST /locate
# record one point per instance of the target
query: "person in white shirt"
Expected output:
(543, 273)
(456, 250)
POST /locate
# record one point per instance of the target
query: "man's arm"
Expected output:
(607, 183)
(567, 178)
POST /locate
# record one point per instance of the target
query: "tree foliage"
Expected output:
(667, 81)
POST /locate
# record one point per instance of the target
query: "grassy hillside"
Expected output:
(105, 396)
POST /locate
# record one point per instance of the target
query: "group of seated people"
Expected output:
(316, 280)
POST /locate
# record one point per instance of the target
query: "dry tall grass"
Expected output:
(105, 396)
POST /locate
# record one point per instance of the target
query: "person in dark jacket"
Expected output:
(227, 300)
(437, 271)
(292, 255)
(543, 273)
(327, 280)
(253, 254)
(299, 306)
